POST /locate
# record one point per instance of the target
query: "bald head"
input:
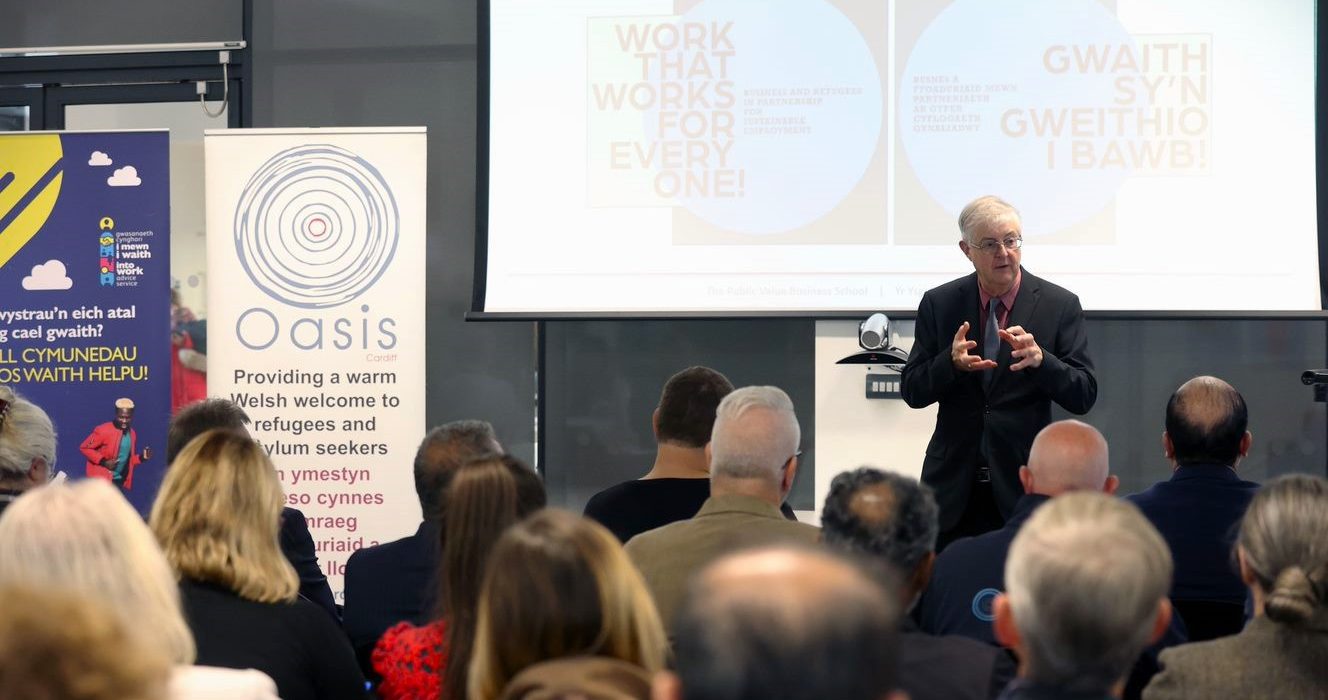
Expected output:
(779, 624)
(1206, 423)
(1068, 455)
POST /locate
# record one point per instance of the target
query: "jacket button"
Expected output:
(986, 410)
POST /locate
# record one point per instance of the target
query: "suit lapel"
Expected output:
(1025, 302)
(972, 314)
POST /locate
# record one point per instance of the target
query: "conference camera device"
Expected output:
(874, 339)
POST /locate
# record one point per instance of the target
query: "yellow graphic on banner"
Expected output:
(31, 170)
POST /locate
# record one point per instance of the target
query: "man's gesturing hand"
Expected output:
(963, 361)
(1025, 349)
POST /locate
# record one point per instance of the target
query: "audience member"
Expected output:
(783, 624)
(485, 497)
(57, 646)
(216, 518)
(296, 542)
(395, 581)
(753, 454)
(679, 481)
(27, 446)
(893, 519)
(1283, 650)
(559, 588)
(87, 540)
(1086, 591)
(1197, 509)
(1066, 456)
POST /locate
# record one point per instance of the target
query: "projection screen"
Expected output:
(731, 156)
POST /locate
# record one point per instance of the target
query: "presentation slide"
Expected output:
(745, 155)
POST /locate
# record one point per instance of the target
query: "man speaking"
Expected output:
(994, 348)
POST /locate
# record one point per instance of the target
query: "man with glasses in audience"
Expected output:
(994, 349)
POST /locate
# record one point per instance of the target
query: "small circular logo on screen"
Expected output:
(316, 226)
(982, 604)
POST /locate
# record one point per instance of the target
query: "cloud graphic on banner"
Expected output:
(316, 226)
(48, 276)
(98, 159)
(125, 177)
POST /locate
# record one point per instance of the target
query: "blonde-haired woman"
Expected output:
(216, 517)
(86, 539)
(562, 609)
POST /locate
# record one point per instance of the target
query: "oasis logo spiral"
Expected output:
(316, 226)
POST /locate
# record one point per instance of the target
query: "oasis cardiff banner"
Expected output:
(316, 318)
(85, 296)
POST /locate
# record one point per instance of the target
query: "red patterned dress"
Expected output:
(410, 660)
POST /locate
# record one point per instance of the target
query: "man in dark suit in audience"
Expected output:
(679, 481)
(994, 349)
(1198, 508)
(784, 624)
(1067, 456)
(753, 459)
(892, 519)
(1086, 591)
(396, 581)
(296, 542)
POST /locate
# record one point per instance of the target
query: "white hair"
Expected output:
(26, 433)
(86, 539)
(1084, 578)
(982, 211)
(755, 434)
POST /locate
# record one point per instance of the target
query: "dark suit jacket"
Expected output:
(1197, 511)
(994, 427)
(950, 667)
(298, 546)
(390, 583)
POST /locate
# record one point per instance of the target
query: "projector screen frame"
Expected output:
(478, 313)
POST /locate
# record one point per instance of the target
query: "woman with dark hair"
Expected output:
(484, 498)
(564, 611)
(1283, 651)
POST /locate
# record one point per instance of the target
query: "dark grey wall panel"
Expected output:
(1140, 363)
(604, 378)
(26, 23)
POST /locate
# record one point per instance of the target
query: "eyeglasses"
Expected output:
(989, 246)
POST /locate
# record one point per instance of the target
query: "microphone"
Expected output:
(1314, 376)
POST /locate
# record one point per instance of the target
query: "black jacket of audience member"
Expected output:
(390, 583)
(950, 667)
(633, 507)
(294, 643)
(1197, 511)
(298, 546)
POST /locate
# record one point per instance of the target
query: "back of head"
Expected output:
(217, 515)
(982, 211)
(1084, 578)
(85, 538)
(1206, 420)
(26, 433)
(1068, 455)
(755, 434)
(886, 516)
(59, 646)
(785, 624)
(198, 418)
(486, 496)
(443, 449)
(1282, 538)
(557, 586)
(687, 406)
